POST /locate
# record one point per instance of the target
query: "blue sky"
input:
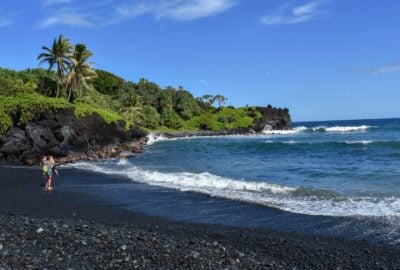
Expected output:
(323, 59)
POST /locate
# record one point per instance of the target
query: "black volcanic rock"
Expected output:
(42, 137)
(30, 157)
(273, 119)
(15, 142)
(67, 138)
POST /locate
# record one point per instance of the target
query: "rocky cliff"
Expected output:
(273, 119)
(68, 139)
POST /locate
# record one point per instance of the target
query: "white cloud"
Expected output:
(390, 68)
(4, 22)
(124, 12)
(180, 10)
(133, 11)
(55, 2)
(395, 67)
(67, 19)
(292, 15)
(195, 9)
(204, 82)
(106, 12)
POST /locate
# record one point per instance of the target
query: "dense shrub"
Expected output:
(12, 84)
(44, 80)
(150, 117)
(171, 119)
(20, 108)
(84, 109)
(98, 100)
(223, 119)
(5, 121)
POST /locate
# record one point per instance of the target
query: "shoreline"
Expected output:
(210, 133)
(107, 236)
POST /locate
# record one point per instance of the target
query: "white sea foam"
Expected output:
(365, 142)
(284, 132)
(155, 137)
(272, 195)
(284, 142)
(291, 142)
(122, 162)
(337, 129)
(359, 142)
(187, 181)
(347, 128)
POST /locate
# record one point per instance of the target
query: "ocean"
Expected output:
(336, 178)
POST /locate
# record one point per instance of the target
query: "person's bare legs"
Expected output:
(48, 184)
(50, 180)
(46, 188)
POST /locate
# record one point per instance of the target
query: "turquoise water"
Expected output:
(338, 169)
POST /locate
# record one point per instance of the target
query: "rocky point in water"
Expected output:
(70, 139)
(272, 119)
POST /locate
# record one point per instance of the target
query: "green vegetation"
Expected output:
(80, 72)
(58, 55)
(84, 109)
(20, 108)
(224, 119)
(73, 83)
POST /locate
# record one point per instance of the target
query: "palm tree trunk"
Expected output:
(59, 80)
(58, 88)
(69, 94)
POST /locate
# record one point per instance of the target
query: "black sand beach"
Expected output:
(61, 230)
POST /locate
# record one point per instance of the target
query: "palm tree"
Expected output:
(132, 108)
(80, 72)
(57, 55)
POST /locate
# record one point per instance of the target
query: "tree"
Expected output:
(220, 99)
(186, 105)
(80, 71)
(150, 117)
(149, 92)
(57, 56)
(132, 108)
(206, 101)
(108, 83)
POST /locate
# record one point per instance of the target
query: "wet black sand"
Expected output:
(61, 230)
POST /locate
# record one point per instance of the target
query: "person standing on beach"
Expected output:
(53, 169)
(47, 171)
(44, 168)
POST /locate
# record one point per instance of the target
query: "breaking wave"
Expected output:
(335, 129)
(155, 137)
(347, 129)
(292, 199)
